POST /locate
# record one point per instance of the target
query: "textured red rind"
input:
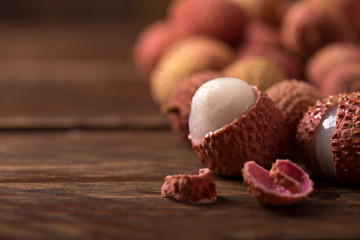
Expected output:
(328, 58)
(190, 188)
(306, 130)
(260, 135)
(220, 19)
(345, 142)
(286, 184)
(179, 107)
(293, 98)
(345, 78)
(307, 27)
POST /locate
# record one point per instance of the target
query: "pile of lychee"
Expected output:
(252, 81)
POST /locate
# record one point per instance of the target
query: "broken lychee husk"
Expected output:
(284, 184)
(190, 189)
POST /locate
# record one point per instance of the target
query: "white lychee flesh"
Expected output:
(218, 103)
(322, 142)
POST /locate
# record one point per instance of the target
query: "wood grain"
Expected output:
(106, 184)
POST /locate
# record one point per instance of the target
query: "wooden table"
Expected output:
(84, 152)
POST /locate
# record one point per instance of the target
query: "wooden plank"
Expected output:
(106, 184)
(78, 104)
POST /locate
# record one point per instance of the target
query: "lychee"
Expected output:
(307, 27)
(293, 97)
(256, 71)
(345, 78)
(220, 19)
(188, 56)
(329, 135)
(151, 44)
(290, 64)
(231, 123)
(328, 58)
(179, 107)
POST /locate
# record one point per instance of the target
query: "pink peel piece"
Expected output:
(190, 188)
(284, 184)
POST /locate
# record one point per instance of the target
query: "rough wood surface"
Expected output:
(106, 184)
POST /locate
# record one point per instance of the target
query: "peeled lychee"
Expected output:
(256, 71)
(328, 58)
(293, 97)
(283, 185)
(345, 78)
(307, 27)
(290, 65)
(179, 107)
(329, 135)
(186, 57)
(152, 43)
(220, 19)
(232, 123)
(190, 188)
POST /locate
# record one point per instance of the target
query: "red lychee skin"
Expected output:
(283, 185)
(328, 58)
(293, 97)
(285, 60)
(307, 27)
(349, 8)
(345, 142)
(345, 78)
(220, 19)
(180, 102)
(152, 43)
(259, 135)
(190, 189)
(261, 34)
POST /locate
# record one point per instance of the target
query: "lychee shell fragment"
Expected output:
(179, 107)
(345, 142)
(283, 185)
(190, 188)
(259, 135)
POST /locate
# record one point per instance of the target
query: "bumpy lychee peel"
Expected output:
(328, 58)
(190, 189)
(152, 43)
(283, 185)
(220, 19)
(179, 107)
(345, 78)
(259, 135)
(307, 27)
(293, 97)
(187, 56)
(255, 71)
(290, 64)
(345, 142)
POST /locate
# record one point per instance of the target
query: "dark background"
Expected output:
(128, 11)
